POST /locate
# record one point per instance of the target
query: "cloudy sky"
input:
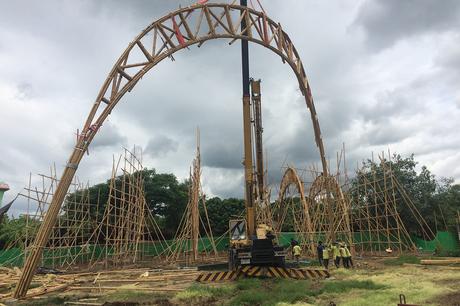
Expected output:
(384, 74)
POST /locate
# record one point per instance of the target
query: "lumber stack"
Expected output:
(440, 262)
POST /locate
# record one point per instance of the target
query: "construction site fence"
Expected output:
(445, 244)
(60, 256)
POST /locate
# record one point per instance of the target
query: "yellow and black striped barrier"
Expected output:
(218, 276)
(259, 271)
(308, 273)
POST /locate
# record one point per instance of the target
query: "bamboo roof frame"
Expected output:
(160, 40)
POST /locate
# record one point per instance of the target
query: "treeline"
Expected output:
(167, 199)
(437, 200)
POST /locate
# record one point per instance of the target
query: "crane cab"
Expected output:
(261, 250)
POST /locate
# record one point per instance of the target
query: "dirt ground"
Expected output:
(373, 281)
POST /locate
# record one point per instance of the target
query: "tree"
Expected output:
(220, 212)
(428, 194)
(13, 231)
(166, 198)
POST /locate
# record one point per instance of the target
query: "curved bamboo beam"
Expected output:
(160, 40)
(291, 177)
(335, 214)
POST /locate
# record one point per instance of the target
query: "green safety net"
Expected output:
(445, 244)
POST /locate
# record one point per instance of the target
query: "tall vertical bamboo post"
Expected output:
(195, 198)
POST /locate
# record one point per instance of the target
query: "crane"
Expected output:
(251, 243)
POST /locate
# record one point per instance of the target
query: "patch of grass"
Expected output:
(131, 296)
(248, 283)
(272, 292)
(411, 259)
(343, 286)
(202, 293)
(251, 297)
(419, 285)
(277, 291)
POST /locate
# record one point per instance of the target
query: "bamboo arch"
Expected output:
(161, 39)
(291, 178)
(329, 209)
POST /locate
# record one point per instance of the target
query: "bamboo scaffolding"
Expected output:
(188, 235)
(374, 206)
(127, 228)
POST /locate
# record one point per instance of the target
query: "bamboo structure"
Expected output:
(160, 40)
(292, 200)
(188, 236)
(71, 230)
(127, 231)
(376, 222)
(318, 207)
(330, 210)
(364, 214)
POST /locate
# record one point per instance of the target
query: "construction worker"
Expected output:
(319, 249)
(343, 255)
(325, 257)
(335, 254)
(348, 256)
(269, 235)
(293, 244)
(297, 250)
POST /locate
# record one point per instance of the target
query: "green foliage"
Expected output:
(221, 211)
(402, 260)
(14, 231)
(166, 198)
(436, 200)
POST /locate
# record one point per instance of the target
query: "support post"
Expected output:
(248, 171)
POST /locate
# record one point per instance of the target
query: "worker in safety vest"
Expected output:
(326, 252)
(293, 244)
(335, 254)
(348, 255)
(319, 250)
(297, 250)
(343, 255)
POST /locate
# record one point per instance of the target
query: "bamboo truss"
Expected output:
(319, 209)
(292, 200)
(330, 210)
(160, 40)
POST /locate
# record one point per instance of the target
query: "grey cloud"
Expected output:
(26, 90)
(223, 156)
(386, 134)
(388, 104)
(203, 87)
(138, 8)
(387, 21)
(108, 136)
(450, 60)
(161, 145)
(224, 183)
